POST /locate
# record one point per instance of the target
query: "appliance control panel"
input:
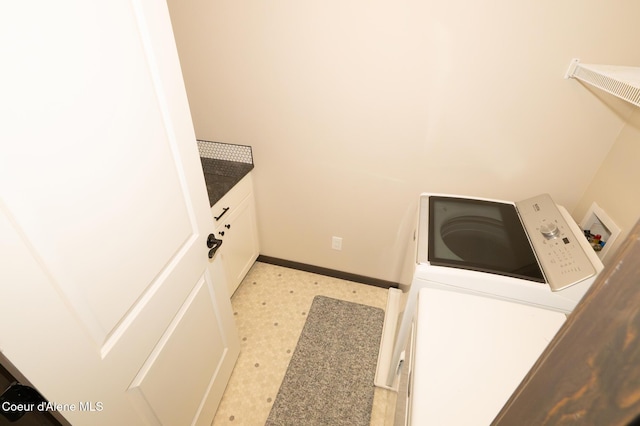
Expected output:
(556, 245)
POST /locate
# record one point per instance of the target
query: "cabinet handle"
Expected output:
(221, 233)
(228, 226)
(224, 210)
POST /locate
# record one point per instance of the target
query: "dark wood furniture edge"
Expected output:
(590, 372)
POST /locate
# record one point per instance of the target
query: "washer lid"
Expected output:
(471, 353)
(480, 235)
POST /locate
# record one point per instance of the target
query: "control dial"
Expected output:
(549, 230)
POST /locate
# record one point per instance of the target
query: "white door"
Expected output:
(106, 302)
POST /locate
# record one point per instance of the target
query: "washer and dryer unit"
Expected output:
(530, 256)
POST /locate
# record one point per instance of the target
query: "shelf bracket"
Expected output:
(572, 68)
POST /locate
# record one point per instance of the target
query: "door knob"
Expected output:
(213, 251)
(214, 244)
(213, 241)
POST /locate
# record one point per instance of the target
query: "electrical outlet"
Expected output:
(336, 243)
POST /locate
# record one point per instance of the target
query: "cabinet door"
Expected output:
(240, 248)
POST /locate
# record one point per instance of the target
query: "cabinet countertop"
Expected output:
(222, 175)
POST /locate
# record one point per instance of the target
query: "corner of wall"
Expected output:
(614, 187)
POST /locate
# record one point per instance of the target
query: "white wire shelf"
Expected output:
(620, 81)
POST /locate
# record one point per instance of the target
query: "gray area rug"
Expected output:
(330, 377)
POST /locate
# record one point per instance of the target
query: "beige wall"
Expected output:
(355, 107)
(616, 186)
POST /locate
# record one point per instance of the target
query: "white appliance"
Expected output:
(468, 354)
(529, 252)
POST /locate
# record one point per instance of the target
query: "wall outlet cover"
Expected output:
(336, 243)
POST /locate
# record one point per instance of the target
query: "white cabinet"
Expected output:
(235, 224)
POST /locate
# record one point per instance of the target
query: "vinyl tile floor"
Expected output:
(270, 308)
